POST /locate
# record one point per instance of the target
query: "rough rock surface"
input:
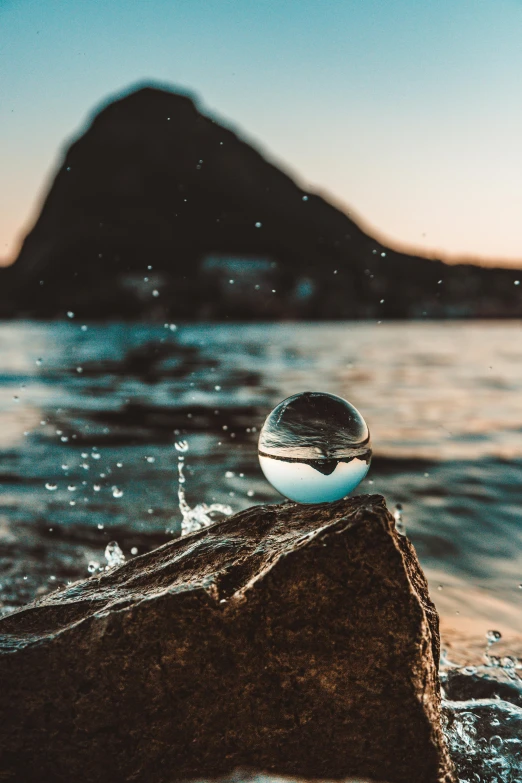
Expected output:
(294, 639)
(153, 187)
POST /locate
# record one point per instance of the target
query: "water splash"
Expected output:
(201, 515)
(492, 637)
(399, 521)
(484, 737)
(482, 717)
(113, 555)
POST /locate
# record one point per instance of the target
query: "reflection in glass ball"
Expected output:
(315, 447)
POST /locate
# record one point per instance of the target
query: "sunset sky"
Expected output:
(407, 112)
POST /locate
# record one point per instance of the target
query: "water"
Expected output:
(113, 555)
(102, 408)
(202, 515)
(314, 447)
(482, 717)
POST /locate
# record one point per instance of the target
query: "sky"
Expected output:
(407, 113)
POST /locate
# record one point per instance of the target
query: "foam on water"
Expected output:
(485, 740)
(482, 717)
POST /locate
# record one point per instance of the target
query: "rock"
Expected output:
(294, 639)
(155, 189)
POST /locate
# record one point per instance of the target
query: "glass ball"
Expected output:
(314, 447)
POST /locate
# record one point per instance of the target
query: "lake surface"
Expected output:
(90, 414)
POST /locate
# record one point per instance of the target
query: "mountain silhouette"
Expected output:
(156, 208)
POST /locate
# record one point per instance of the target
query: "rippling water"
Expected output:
(89, 416)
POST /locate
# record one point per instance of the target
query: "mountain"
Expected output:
(157, 207)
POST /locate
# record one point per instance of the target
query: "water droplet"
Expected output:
(96, 487)
(100, 526)
(93, 567)
(119, 464)
(315, 447)
(39, 362)
(150, 459)
(134, 550)
(84, 327)
(229, 474)
(51, 487)
(71, 488)
(70, 314)
(217, 388)
(113, 555)
(493, 636)
(95, 455)
(517, 282)
(397, 515)
(305, 198)
(258, 224)
(155, 292)
(79, 370)
(117, 493)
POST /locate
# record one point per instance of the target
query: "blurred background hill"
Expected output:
(159, 211)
